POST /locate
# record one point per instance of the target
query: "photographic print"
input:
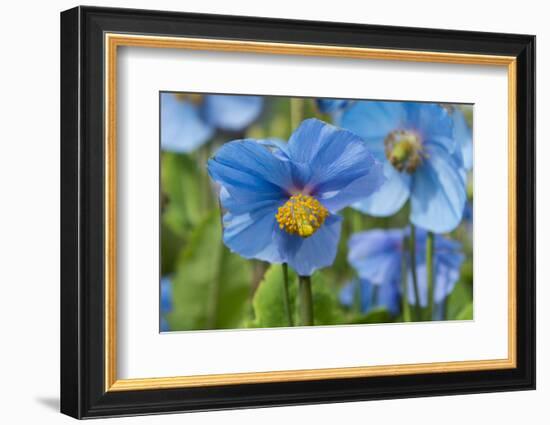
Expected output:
(285, 211)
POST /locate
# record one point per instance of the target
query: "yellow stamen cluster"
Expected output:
(301, 215)
(404, 150)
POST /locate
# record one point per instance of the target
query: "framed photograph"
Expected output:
(261, 212)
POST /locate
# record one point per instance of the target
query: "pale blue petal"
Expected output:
(371, 296)
(438, 193)
(311, 137)
(347, 293)
(448, 262)
(391, 195)
(182, 129)
(448, 259)
(462, 133)
(432, 122)
(165, 294)
(421, 275)
(305, 255)
(253, 204)
(231, 112)
(376, 255)
(373, 121)
(252, 235)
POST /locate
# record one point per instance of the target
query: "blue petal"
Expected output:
(309, 138)
(421, 276)
(439, 312)
(376, 255)
(250, 172)
(448, 262)
(347, 293)
(448, 259)
(182, 129)
(438, 193)
(231, 112)
(388, 295)
(305, 255)
(390, 197)
(462, 133)
(333, 164)
(373, 121)
(365, 290)
(254, 204)
(252, 235)
(468, 215)
(371, 296)
(432, 122)
(164, 326)
(165, 294)
(329, 106)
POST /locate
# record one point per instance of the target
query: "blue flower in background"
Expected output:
(189, 120)
(281, 199)
(371, 296)
(416, 143)
(165, 302)
(330, 106)
(463, 134)
(377, 256)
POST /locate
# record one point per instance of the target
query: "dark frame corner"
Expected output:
(82, 222)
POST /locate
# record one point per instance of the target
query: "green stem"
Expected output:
(405, 284)
(286, 296)
(430, 274)
(296, 112)
(357, 222)
(306, 301)
(412, 252)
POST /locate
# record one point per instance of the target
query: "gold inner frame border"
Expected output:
(113, 40)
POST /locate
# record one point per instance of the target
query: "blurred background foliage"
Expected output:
(213, 288)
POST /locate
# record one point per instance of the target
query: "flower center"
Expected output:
(189, 97)
(404, 150)
(301, 215)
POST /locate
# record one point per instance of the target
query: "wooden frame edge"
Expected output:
(114, 40)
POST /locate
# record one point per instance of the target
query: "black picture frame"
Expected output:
(82, 214)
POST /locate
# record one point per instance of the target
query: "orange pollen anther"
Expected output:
(301, 215)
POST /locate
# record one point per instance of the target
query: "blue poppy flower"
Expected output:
(164, 325)
(329, 106)
(165, 302)
(377, 257)
(371, 296)
(463, 134)
(281, 200)
(469, 212)
(189, 120)
(415, 141)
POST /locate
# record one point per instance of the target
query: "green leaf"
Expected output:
(326, 308)
(170, 246)
(467, 313)
(461, 296)
(181, 183)
(376, 315)
(268, 305)
(269, 309)
(211, 285)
